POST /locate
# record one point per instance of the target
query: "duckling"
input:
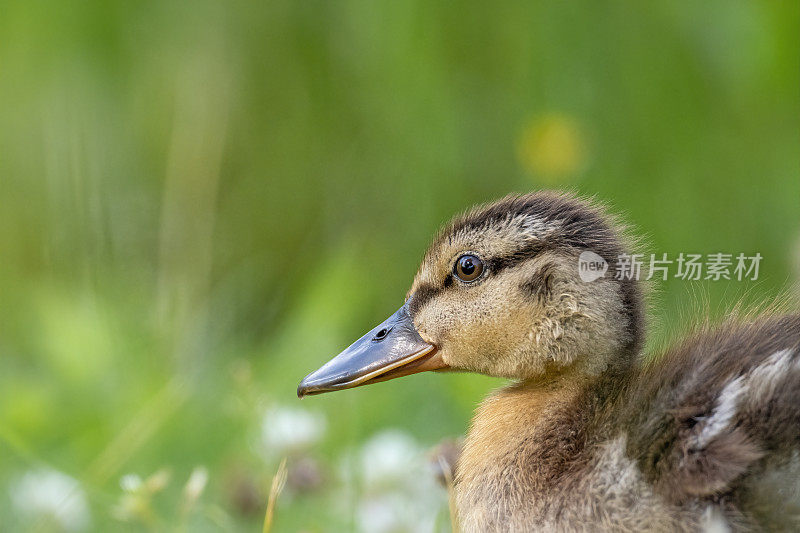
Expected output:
(590, 435)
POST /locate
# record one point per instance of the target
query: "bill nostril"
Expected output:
(381, 334)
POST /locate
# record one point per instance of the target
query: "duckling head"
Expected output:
(500, 292)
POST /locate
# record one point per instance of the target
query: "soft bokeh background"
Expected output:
(202, 201)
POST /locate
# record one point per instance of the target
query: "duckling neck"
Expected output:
(524, 439)
(519, 419)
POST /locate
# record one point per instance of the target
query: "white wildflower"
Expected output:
(401, 492)
(287, 429)
(130, 482)
(388, 458)
(197, 483)
(395, 512)
(379, 515)
(52, 494)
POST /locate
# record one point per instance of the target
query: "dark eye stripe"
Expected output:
(424, 293)
(427, 292)
(500, 263)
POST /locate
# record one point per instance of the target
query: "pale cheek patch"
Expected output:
(480, 328)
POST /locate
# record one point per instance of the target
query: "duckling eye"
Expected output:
(468, 268)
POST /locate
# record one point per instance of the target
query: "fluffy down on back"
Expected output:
(718, 419)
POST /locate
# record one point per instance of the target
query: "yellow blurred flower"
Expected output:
(552, 147)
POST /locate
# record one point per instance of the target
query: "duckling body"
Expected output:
(705, 437)
(589, 437)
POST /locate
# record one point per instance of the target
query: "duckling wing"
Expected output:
(718, 417)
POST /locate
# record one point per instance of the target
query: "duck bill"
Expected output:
(392, 349)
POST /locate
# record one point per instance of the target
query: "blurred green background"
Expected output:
(200, 202)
